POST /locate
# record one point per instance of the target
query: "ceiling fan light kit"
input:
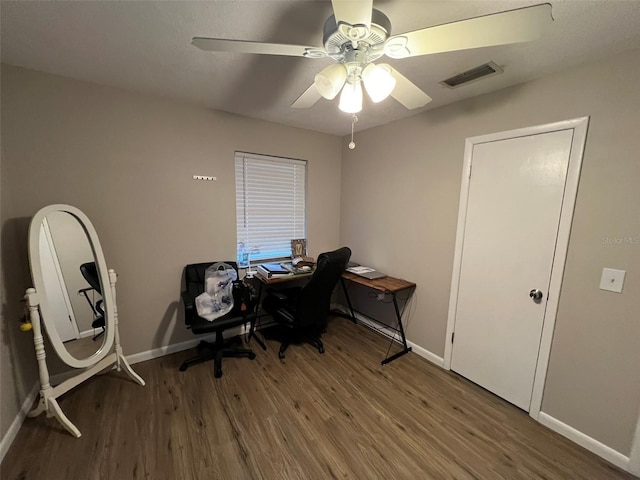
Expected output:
(329, 81)
(356, 35)
(351, 96)
(378, 81)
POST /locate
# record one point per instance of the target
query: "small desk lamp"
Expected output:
(250, 273)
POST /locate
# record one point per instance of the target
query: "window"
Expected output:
(270, 205)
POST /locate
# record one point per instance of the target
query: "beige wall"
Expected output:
(406, 226)
(127, 160)
(18, 373)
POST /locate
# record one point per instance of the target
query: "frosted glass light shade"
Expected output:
(351, 97)
(378, 81)
(330, 80)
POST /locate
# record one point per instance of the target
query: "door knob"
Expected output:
(536, 294)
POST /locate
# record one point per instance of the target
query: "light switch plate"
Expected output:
(612, 280)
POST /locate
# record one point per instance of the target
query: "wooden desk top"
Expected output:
(385, 284)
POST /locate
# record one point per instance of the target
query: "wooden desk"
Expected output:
(382, 285)
(388, 286)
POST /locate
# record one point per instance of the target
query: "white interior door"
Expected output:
(514, 203)
(55, 288)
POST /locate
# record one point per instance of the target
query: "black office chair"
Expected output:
(302, 313)
(193, 286)
(90, 273)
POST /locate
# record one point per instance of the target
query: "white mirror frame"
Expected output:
(37, 275)
(109, 355)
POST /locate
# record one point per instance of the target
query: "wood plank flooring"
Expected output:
(311, 416)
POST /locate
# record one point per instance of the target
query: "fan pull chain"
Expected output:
(352, 144)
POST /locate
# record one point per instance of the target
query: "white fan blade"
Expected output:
(353, 12)
(406, 92)
(243, 46)
(522, 25)
(308, 98)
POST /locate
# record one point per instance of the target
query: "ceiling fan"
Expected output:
(356, 35)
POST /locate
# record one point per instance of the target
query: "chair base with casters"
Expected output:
(217, 351)
(194, 280)
(315, 341)
(288, 337)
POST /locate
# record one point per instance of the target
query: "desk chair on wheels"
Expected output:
(194, 275)
(302, 313)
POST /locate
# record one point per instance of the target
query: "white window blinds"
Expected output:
(270, 205)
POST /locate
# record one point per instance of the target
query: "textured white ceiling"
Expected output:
(145, 46)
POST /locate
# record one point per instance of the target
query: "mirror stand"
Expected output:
(48, 395)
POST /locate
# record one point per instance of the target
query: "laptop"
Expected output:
(366, 272)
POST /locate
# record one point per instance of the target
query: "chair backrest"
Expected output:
(194, 276)
(193, 279)
(90, 273)
(314, 301)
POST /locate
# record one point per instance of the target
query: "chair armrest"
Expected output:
(253, 300)
(190, 313)
(188, 300)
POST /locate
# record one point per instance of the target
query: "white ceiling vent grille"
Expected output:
(476, 73)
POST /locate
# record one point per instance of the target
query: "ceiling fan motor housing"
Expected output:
(338, 43)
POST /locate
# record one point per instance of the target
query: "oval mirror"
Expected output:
(71, 280)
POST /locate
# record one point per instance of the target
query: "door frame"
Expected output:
(579, 127)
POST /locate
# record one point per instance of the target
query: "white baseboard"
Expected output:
(594, 446)
(178, 347)
(90, 333)
(168, 349)
(634, 456)
(426, 354)
(14, 428)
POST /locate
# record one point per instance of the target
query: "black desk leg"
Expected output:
(252, 333)
(352, 315)
(406, 348)
(252, 330)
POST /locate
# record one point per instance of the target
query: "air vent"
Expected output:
(472, 75)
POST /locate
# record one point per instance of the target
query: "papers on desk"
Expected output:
(271, 270)
(285, 269)
(359, 270)
(297, 270)
(366, 272)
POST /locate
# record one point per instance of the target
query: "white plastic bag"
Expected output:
(217, 298)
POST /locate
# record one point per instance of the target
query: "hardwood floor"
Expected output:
(84, 347)
(311, 416)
